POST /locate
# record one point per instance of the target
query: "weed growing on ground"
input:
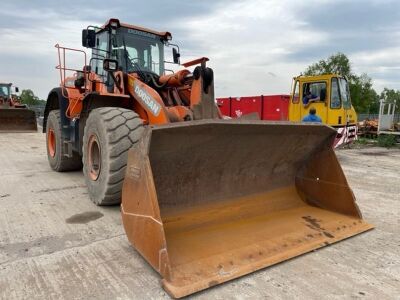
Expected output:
(386, 140)
(362, 141)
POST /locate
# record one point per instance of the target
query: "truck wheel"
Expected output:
(55, 152)
(109, 133)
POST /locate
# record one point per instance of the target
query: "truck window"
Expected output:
(296, 93)
(335, 96)
(344, 92)
(4, 91)
(317, 89)
(99, 53)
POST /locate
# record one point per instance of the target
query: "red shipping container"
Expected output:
(224, 105)
(275, 107)
(241, 106)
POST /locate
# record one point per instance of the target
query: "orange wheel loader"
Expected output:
(14, 116)
(204, 200)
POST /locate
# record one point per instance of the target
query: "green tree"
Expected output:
(337, 63)
(364, 98)
(29, 98)
(391, 95)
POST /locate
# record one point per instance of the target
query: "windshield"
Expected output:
(4, 91)
(138, 51)
(344, 92)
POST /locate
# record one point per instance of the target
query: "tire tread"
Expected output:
(64, 163)
(123, 129)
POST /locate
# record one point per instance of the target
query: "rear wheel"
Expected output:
(109, 133)
(56, 155)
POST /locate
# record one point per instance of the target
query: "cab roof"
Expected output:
(163, 34)
(318, 77)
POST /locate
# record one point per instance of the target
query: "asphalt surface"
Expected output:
(56, 244)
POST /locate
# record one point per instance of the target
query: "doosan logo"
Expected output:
(152, 104)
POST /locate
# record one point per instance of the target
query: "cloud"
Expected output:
(248, 41)
(28, 57)
(30, 29)
(382, 65)
(254, 46)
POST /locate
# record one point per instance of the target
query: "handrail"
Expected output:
(63, 69)
(62, 64)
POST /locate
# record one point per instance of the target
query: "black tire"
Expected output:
(109, 133)
(57, 159)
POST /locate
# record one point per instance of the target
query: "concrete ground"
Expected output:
(55, 244)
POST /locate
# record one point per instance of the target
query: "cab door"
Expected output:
(295, 103)
(318, 88)
(346, 102)
(336, 115)
(99, 54)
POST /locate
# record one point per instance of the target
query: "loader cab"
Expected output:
(333, 104)
(5, 93)
(5, 90)
(136, 49)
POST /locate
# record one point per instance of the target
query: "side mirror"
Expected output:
(88, 38)
(176, 55)
(16, 89)
(110, 65)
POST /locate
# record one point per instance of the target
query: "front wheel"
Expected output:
(109, 133)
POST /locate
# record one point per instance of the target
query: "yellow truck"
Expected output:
(330, 96)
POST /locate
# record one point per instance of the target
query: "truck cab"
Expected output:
(333, 102)
(330, 96)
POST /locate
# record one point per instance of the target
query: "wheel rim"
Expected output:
(94, 158)
(51, 142)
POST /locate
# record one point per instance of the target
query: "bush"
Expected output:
(362, 141)
(386, 140)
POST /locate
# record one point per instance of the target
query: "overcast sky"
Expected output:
(255, 46)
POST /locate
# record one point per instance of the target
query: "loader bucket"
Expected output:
(17, 119)
(208, 201)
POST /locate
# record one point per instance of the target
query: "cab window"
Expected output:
(138, 51)
(314, 90)
(99, 53)
(344, 92)
(335, 96)
(4, 91)
(156, 67)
